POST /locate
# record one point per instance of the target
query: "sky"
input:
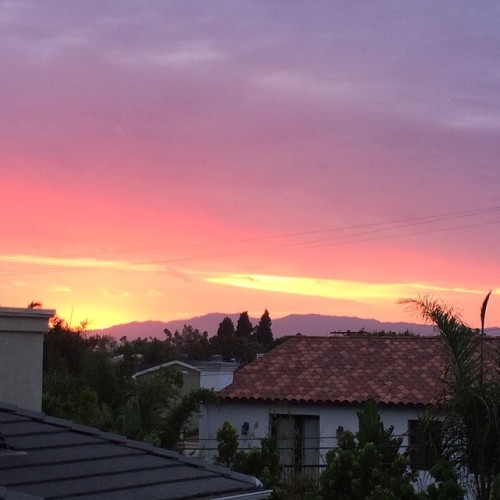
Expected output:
(161, 160)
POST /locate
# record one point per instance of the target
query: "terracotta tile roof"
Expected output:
(392, 370)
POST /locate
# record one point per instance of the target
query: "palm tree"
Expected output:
(468, 409)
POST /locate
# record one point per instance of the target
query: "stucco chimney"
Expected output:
(21, 355)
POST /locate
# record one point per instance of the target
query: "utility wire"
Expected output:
(429, 219)
(340, 239)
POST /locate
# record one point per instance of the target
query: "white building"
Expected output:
(308, 389)
(213, 374)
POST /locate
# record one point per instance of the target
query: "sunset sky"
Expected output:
(165, 159)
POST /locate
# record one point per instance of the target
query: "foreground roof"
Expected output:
(398, 370)
(47, 457)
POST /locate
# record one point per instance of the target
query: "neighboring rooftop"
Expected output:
(215, 364)
(47, 457)
(398, 370)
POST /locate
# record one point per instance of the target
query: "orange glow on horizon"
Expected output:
(105, 298)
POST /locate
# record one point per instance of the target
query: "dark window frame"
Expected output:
(300, 447)
(424, 444)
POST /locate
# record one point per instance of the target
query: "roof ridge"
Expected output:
(395, 370)
(118, 439)
(86, 476)
(138, 487)
(3, 442)
(70, 461)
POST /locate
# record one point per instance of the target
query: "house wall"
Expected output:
(190, 379)
(259, 414)
(21, 355)
(216, 378)
(190, 382)
(208, 374)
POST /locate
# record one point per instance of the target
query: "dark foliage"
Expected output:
(469, 407)
(84, 382)
(226, 328)
(263, 332)
(244, 327)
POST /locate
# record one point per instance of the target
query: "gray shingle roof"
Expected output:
(49, 457)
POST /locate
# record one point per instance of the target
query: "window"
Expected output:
(297, 440)
(424, 444)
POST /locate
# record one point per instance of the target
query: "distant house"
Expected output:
(210, 374)
(308, 389)
(46, 457)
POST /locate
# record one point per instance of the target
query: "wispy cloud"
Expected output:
(184, 54)
(115, 293)
(60, 289)
(152, 293)
(83, 263)
(435, 288)
(334, 289)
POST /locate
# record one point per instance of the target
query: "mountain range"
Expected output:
(306, 324)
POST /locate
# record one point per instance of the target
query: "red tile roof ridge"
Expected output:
(395, 369)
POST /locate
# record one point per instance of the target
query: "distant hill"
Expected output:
(307, 324)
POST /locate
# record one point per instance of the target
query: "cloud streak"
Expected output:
(79, 263)
(60, 289)
(115, 293)
(332, 289)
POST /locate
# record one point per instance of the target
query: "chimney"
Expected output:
(21, 355)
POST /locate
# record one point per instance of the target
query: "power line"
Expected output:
(377, 230)
(315, 244)
(429, 219)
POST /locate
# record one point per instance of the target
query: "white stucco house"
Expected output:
(308, 389)
(209, 374)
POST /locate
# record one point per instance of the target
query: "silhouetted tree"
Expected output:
(79, 381)
(231, 347)
(244, 327)
(63, 348)
(158, 352)
(190, 342)
(226, 328)
(83, 382)
(263, 332)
